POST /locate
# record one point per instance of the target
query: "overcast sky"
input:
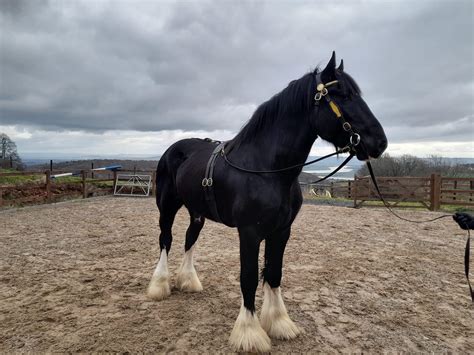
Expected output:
(131, 77)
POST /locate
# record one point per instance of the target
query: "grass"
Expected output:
(404, 205)
(22, 179)
(18, 180)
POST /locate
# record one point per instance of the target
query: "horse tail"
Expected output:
(166, 171)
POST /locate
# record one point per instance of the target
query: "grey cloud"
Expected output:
(154, 66)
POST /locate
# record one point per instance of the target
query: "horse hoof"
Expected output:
(188, 282)
(281, 327)
(248, 335)
(159, 289)
(274, 317)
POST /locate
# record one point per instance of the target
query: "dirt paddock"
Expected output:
(74, 275)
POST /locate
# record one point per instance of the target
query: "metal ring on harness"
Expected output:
(206, 182)
(346, 126)
(320, 94)
(357, 139)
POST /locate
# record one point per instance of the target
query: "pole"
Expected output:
(92, 170)
(84, 191)
(48, 186)
(51, 166)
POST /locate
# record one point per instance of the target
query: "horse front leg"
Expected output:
(274, 317)
(247, 334)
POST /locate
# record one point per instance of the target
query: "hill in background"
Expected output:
(127, 165)
(75, 165)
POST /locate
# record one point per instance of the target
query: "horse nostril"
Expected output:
(383, 145)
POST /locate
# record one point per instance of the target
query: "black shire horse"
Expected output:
(262, 206)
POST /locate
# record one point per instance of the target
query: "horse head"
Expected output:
(342, 116)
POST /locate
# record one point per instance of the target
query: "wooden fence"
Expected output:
(430, 192)
(40, 187)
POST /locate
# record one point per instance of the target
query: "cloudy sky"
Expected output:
(130, 77)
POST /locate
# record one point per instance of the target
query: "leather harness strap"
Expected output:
(208, 182)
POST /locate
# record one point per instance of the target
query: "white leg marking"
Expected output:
(247, 334)
(274, 316)
(187, 278)
(159, 287)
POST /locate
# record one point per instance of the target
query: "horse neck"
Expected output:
(287, 142)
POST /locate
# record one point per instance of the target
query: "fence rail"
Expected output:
(430, 192)
(44, 188)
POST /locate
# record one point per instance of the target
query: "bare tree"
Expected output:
(409, 165)
(9, 155)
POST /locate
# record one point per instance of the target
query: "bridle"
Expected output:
(354, 138)
(322, 91)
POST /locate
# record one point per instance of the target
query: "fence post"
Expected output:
(354, 191)
(471, 187)
(115, 181)
(153, 184)
(48, 185)
(84, 190)
(435, 192)
(455, 187)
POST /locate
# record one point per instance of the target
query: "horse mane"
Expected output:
(295, 98)
(350, 83)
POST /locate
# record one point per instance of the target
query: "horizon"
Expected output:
(74, 157)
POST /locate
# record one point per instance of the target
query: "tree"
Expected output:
(409, 165)
(9, 156)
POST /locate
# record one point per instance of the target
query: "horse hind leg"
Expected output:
(188, 280)
(159, 287)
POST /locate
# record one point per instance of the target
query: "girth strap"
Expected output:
(208, 182)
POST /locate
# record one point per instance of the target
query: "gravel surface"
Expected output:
(74, 277)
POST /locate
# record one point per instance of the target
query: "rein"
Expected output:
(343, 150)
(468, 242)
(354, 138)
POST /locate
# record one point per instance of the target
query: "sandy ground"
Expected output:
(74, 275)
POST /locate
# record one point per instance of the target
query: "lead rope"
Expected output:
(335, 171)
(468, 243)
(466, 262)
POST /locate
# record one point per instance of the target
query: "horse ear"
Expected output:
(341, 66)
(329, 72)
